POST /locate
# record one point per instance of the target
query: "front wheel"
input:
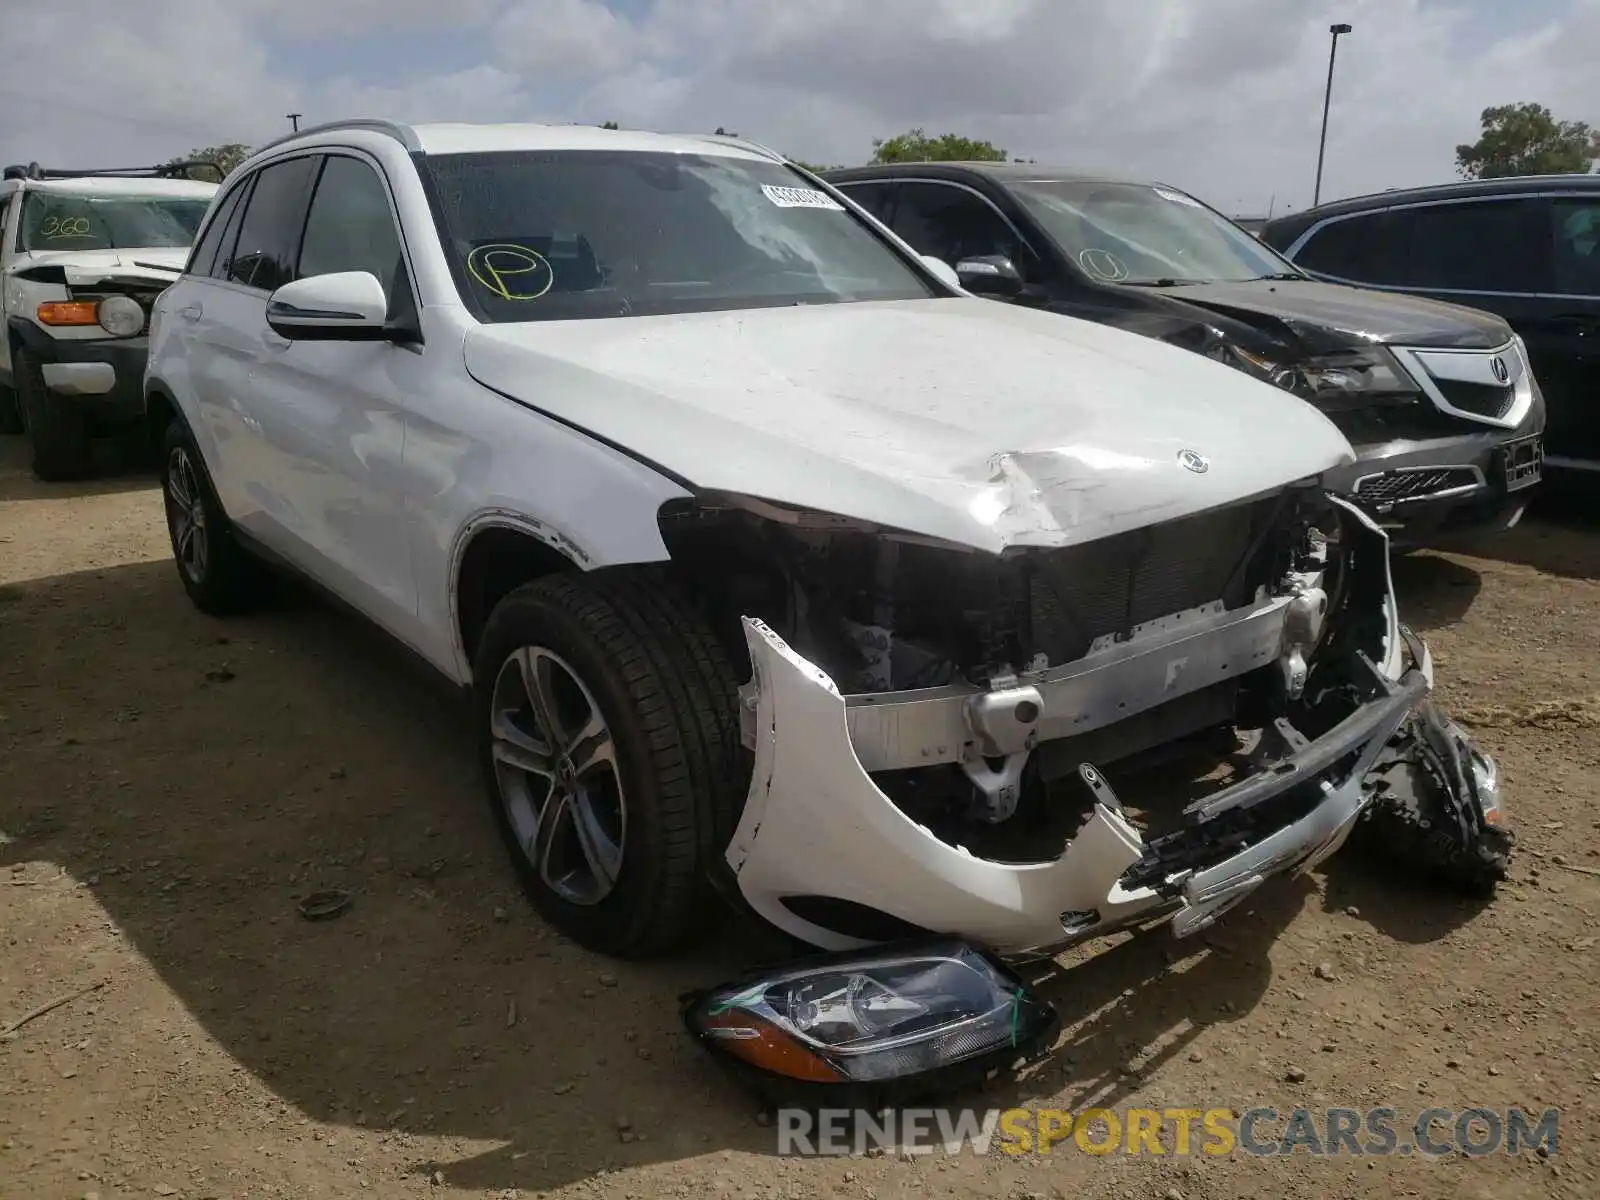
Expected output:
(57, 432)
(10, 414)
(610, 744)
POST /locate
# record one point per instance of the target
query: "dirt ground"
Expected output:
(170, 785)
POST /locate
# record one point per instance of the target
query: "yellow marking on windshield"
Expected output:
(64, 227)
(510, 271)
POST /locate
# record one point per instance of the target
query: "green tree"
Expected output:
(1526, 139)
(916, 146)
(609, 125)
(226, 156)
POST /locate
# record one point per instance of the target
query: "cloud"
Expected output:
(565, 38)
(1224, 98)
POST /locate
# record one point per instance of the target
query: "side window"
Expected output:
(876, 198)
(1577, 245)
(204, 256)
(952, 223)
(269, 235)
(1479, 246)
(1370, 248)
(230, 232)
(350, 226)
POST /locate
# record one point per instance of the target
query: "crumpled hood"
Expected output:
(1325, 315)
(154, 264)
(979, 423)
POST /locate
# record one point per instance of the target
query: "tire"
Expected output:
(622, 647)
(1410, 825)
(10, 414)
(57, 432)
(220, 576)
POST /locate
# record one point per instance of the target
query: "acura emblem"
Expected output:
(1501, 371)
(1194, 461)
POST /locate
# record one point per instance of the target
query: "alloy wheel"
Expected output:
(186, 515)
(556, 768)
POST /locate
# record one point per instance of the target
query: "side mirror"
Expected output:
(990, 275)
(940, 268)
(346, 306)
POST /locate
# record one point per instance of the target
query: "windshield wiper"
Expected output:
(1276, 275)
(1163, 282)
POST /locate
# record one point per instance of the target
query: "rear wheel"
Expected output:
(609, 737)
(57, 432)
(219, 575)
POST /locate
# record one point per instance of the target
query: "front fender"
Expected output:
(490, 462)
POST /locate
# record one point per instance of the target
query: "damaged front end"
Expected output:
(1035, 748)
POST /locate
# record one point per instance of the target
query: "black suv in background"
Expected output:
(1527, 249)
(1437, 400)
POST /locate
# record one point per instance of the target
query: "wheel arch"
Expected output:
(160, 410)
(495, 553)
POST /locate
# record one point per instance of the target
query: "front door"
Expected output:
(328, 414)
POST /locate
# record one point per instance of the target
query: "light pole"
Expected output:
(1327, 96)
(294, 120)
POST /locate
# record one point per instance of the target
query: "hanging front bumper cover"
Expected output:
(816, 824)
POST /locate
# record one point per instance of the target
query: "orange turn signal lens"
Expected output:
(69, 312)
(763, 1045)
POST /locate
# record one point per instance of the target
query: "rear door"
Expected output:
(232, 343)
(180, 354)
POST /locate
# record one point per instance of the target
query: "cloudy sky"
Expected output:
(1221, 96)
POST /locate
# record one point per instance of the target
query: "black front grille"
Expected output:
(1481, 399)
(1394, 486)
(1081, 593)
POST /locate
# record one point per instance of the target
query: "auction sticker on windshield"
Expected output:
(798, 197)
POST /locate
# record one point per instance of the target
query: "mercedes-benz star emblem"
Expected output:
(1193, 460)
(1501, 371)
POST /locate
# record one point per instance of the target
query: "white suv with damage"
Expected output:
(83, 255)
(776, 564)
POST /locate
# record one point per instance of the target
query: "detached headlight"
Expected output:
(1347, 378)
(120, 316)
(899, 1015)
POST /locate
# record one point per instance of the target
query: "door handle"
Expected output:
(191, 312)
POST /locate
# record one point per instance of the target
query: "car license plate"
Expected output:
(1524, 462)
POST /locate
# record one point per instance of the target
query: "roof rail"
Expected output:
(729, 139)
(403, 134)
(171, 170)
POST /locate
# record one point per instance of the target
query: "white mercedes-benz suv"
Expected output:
(773, 561)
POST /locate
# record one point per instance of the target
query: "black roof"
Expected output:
(1011, 172)
(1294, 223)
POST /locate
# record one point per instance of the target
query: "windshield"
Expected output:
(68, 221)
(557, 235)
(1137, 233)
